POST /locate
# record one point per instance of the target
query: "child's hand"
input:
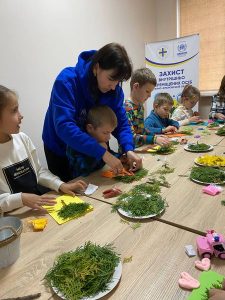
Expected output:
(196, 113)
(169, 129)
(219, 116)
(71, 187)
(194, 119)
(162, 141)
(217, 294)
(36, 201)
(134, 160)
(113, 162)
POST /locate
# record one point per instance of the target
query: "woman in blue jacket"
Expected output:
(95, 80)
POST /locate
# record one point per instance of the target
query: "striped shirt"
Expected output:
(216, 107)
(135, 115)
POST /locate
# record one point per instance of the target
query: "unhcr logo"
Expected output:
(181, 48)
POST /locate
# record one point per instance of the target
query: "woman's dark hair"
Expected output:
(221, 92)
(112, 56)
(5, 95)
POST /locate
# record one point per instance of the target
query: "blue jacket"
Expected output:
(66, 115)
(154, 123)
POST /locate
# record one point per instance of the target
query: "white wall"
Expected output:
(39, 38)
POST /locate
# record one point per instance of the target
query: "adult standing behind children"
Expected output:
(95, 80)
(158, 121)
(142, 83)
(218, 103)
(184, 113)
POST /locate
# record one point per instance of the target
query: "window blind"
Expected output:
(206, 17)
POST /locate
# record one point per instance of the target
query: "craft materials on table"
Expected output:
(210, 160)
(126, 176)
(188, 282)
(208, 280)
(89, 271)
(198, 147)
(142, 201)
(111, 174)
(91, 188)
(186, 130)
(212, 189)
(207, 175)
(113, 192)
(221, 131)
(204, 264)
(39, 224)
(63, 201)
(156, 149)
(176, 134)
(189, 249)
(212, 244)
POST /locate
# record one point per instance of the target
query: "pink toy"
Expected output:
(188, 282)
(203, 264)
(212, 189)
(213, 243)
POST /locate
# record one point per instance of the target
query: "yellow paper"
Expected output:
(151, 150)
(53, 210)
(39, 224)
(154, 149)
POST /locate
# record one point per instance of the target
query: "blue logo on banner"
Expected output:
(181, 48)
(162, 52)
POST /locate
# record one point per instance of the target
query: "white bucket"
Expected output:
(10, 230)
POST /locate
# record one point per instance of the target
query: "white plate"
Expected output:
(220, 134)
(204, 165)
(206, 183)
(198, 151)
(113, 283)
(129, 215)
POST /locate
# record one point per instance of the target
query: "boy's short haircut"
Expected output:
(163, 98)
(100, 115)
(143, 76)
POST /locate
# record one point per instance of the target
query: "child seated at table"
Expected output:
(184, 113)
(218, 103)
(101, 122)
(142, 83)
(158, 121)
(22, 179)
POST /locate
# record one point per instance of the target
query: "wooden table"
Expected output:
(157, 252)
(188, 205)
(157, 249)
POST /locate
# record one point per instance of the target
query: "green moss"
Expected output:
(139, 174)
(83, 272)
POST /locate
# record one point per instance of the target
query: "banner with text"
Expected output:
(175, 63)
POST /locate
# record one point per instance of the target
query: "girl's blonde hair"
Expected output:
(190, 91)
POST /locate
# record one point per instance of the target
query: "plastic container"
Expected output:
(10, 230)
